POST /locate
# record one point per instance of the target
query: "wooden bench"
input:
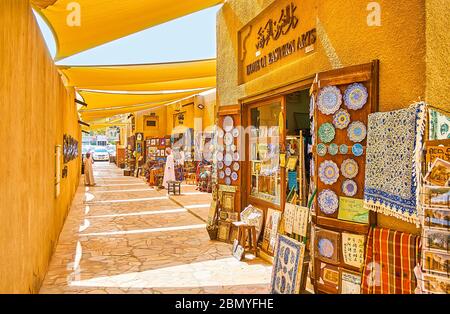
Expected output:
(174, 187)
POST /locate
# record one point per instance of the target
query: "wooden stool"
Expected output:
(173, 186)
(247, 236)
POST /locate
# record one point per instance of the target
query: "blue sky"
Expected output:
(188, 38)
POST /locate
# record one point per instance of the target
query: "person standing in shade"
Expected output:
(169, 171)
(88, 171)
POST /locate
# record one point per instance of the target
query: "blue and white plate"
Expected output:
(329, 100)
(328, 202)
(357, 132)
(333, 149)
(356, 96)
(328, 172)
(349, 188)
(321, 149)
(343, 149)
(357, 150)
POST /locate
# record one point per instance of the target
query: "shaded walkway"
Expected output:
(122, 236)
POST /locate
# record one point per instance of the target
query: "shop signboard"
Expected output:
(281, 34)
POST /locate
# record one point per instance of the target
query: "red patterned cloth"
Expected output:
(390, 260)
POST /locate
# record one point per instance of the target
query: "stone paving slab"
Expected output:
(140, 248)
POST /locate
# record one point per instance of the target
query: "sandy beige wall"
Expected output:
(35, 111)
(438, 53)
(344, 39)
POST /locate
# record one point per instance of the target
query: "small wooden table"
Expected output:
(247, 237)
(174, 187)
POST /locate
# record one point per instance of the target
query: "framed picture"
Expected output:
(439, 173)
(436, 284)
(437, 240)
(224, 231)
(223, 215)
(436, 196)
(353, 249)
(327, 245)
(162, 142)
(168, 142)
(270, 230)
(228, 201)
(253, 216)
(327, 277)
(238, 250)
(436, 262)
(437, 218)
(350, 282)
(158, 153)
(162, 153)
(152, 142)
(287, 273)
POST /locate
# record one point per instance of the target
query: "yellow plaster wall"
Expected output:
(412, 45)
(35, 111)
(160, 131)
(399, 44)
(438, 53)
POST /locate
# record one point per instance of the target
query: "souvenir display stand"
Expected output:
(435, 219)
(156, 148)
(343, 99)
(228, 172)
(130, 159)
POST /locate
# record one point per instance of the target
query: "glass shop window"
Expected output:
(264, 152)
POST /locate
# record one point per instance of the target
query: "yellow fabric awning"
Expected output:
(104, 113)
(92, 76)
(110, 100)
(101, 21)
(203, 82)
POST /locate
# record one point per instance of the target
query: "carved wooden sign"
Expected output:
(281, 34)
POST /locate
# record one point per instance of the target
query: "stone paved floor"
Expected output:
(122, 236)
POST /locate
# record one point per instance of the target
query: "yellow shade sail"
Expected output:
(105, 113)
(110, 100)
(203, 82)
(82, 76)
(84, 24)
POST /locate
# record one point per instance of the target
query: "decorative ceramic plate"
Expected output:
(229, 149)
(220, 148)
(228, 181)
(328, 202)
(236, 166)
(221, 174)
(234, 176)
(349, 168)
(343, 149)
(329, 100)
(328, 172)
(357, 150)
(236, 156)
(326, 248)
(220, 156)
(228, 139)
(220, 165)
(333, 149)
(233, 148)
(228, 159)
(321, 149)
(341, 119)
(356, 96)
(228, 171)
(220, 133)
(235, 132)
(327, 132)
(228, 123)
(349, 188)
(357, 132)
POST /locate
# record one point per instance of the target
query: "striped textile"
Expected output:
(390, 260)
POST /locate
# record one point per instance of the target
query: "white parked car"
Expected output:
(100, 154)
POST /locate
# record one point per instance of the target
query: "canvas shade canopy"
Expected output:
(208, 82)
(102, 100)
(89, 115)
(97, 76)
(102, 21)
